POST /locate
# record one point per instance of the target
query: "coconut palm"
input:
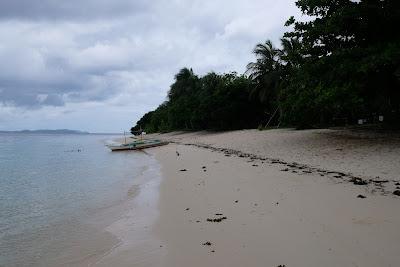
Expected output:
(265, 71)
(290, 53)
(185, 81)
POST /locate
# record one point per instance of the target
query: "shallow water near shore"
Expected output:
(58, 193)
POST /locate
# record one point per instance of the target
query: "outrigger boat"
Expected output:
(138, 144)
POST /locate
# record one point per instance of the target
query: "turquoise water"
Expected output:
(52, 186)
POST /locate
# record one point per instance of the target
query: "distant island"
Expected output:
(46, 131)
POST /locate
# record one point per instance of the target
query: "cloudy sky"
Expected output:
(99, 65)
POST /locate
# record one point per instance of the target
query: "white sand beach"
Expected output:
(273, 198)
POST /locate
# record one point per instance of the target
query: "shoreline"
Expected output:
(137, 244)
(221, 201)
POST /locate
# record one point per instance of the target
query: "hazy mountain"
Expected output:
(46, 131)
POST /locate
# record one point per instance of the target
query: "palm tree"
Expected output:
(290, 53)
(185, 81)
(265, 72)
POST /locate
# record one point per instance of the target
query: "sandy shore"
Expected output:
(274, 198)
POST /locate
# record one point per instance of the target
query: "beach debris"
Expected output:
(236, 201)
(302, 168)
(216, 219)
(177, 153)
(380, 181)
(361, 196)
(187, 209)
(277, 203)
(218, 214)
(208, 243)
(282, 265)
(182, 170)
(212, 251)
(254, 165)
(203, 167)
(358, 181)
(197, 221)
(396, 192)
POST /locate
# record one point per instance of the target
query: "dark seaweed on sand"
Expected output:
(216, 219)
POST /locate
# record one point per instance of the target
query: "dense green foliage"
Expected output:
(210, 102)
(341, 64)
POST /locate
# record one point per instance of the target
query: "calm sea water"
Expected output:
(51, 189)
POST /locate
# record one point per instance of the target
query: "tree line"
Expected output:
(341, 65)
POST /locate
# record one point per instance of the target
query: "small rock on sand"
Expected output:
(361, 196)
(397, 193)
(182, 170)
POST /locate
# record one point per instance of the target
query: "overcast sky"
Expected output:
(99, 65)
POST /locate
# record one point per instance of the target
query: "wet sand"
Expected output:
(138, 246)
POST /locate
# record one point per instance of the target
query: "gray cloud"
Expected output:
(71, 58)
(69, 10)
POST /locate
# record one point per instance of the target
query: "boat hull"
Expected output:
(134, 146)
